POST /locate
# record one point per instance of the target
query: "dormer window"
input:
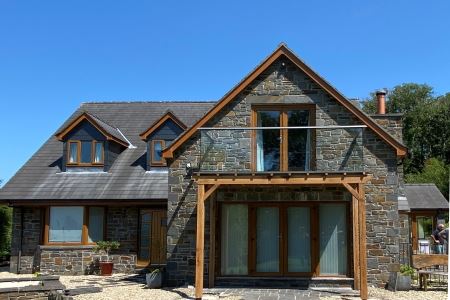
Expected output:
(85, 153)
(157, 147)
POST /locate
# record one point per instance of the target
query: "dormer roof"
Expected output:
(169, 115)
(110, 132)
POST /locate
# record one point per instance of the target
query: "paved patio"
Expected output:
(281, 294)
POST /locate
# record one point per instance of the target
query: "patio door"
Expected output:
(280, 240)
(152, 237)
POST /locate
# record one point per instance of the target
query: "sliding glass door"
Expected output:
(284, 239)
(267, 240)
(333, 239)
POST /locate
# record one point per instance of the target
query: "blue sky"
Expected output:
(56, 54)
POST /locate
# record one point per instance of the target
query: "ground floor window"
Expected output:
(275, 239)
(74, 224)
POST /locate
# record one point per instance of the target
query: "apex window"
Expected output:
(279, 148)
(85, 153)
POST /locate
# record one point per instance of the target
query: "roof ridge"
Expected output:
(147, 101)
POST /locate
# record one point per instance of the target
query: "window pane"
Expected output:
(145, 236)
(98, 158)
(65, 224)
(86, 151)
(73, 152)
(95, 228)
(267, 239)
(299, 239)
(333, 239)
(268, 141)
(424, 227)
(299, 141)
(234, 247)
(157, 151)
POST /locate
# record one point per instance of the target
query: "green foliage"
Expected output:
(106, 247)
(426, 131)
(407, 270)
(435, 171)
(5, 230)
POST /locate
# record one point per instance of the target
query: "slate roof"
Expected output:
(115, 132)
(41, 176)
(425, 196)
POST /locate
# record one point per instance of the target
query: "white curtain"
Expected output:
(234, 239)
(259, 147)
(65, 224)
(299, 241)
(267, 243)
(333, 239)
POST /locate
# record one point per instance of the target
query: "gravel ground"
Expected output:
(129, 287)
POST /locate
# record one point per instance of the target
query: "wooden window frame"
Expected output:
(78, 163)
(283, 109)
(157, 163)
(84, 227)
(413, 229)
(314, 231)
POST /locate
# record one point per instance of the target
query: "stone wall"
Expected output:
(26, 238)
(283, 83)
(79, 260)
(121, 225)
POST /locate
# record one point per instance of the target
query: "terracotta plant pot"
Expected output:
(106, 268)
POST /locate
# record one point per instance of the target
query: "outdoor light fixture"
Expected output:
(188, 169)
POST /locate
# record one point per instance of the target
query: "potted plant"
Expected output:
(154, 278)
(105, 247)
(404, 278)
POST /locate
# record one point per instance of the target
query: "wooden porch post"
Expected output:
(362, 242)
(355, 223)
(212, 241)
(200, 243)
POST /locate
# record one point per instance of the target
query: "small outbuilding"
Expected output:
(420, 211)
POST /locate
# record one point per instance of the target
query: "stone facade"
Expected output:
(121, 225)
(284, 83)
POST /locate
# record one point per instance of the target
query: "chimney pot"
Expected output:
(381, 101)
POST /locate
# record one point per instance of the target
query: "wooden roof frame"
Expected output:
(86, 117)
(169, 115)
(282, 50)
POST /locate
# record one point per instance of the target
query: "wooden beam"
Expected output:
(351, 190)
(362, 243)
(210, 191)
(199, 250)
(212, 242)
(355, 226)
(266, 180)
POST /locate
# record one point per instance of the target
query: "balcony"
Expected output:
(304, 149)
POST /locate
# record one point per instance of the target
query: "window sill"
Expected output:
(66, 247)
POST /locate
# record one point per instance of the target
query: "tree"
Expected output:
(426, 125)
(5, 230)
(435, 171)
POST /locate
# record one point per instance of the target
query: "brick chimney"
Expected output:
(381, 102)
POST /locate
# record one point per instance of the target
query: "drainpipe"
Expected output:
(21, 241)
(381, 102)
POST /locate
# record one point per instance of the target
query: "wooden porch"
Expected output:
(353, 182)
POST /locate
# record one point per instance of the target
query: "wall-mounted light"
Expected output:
(188, 169)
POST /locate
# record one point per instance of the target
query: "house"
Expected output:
(422, 208)
(281, 181)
